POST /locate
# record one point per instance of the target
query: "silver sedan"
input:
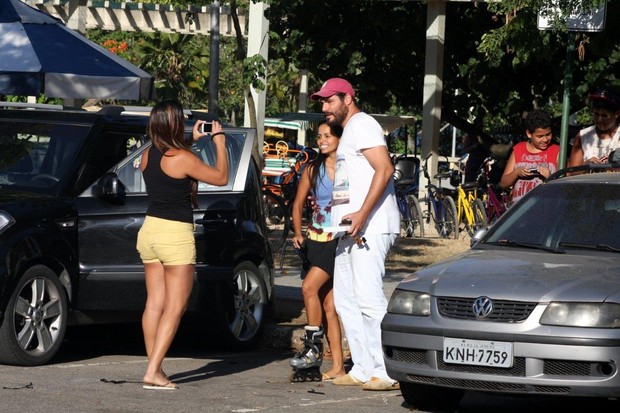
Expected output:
(532, 308)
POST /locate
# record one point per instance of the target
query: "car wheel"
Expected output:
(245, 313)
(35, 319)
(431, 398)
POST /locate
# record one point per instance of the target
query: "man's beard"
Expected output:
(339, 116)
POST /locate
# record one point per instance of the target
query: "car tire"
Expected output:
(242, 315)
(431, 398)
(35, 319)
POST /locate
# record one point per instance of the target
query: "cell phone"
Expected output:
(206, 127)
(345, 221)
(533, 170)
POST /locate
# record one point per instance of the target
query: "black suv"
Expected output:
(72, 200)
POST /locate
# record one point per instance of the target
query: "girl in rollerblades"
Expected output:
(320, 250)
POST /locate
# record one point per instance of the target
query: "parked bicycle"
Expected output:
(278, 197)
(440, 206)
(493, 197)
(406, 186)
(470, 210)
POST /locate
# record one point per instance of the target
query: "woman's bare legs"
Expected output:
(168, 289)
(314, 280)
(334, 335)
(320, 309)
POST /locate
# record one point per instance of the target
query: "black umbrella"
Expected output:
(39, 54)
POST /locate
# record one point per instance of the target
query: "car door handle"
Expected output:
(211, 223)
(66, 223)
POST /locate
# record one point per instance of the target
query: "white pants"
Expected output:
(360, 301)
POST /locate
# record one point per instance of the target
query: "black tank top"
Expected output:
(169, 198)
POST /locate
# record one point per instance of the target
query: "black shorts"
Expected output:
(321, 254)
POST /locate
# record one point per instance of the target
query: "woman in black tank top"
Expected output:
(166, 240)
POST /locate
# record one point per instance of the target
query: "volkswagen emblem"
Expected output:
(482, 307)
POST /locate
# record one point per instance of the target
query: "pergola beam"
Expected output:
(139, 17)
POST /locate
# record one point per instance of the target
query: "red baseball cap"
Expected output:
(333, 86)
(607, 96)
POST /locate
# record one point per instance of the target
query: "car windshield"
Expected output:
(37, 157)
(563, 216)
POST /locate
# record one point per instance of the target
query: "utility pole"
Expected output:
(214, 58)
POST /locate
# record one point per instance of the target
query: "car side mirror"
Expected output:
(110, 189)
(477, 236)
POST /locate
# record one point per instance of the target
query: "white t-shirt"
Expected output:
(354, 175)
(593, 146)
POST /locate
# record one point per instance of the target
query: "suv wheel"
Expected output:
(35, 319)
(245, 312)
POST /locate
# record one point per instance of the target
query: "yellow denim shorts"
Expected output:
(166, 241)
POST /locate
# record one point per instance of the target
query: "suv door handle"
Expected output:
(66, 223)
(211, 223)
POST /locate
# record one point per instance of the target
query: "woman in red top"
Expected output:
(532, 161)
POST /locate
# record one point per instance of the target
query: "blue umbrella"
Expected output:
(39, 54)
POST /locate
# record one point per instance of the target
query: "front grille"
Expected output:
(552, 389)
(409, 356)
(517, 369)
(567, 368)
(480, 385)
(503, 311)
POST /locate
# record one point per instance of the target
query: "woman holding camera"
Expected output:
(166, 240)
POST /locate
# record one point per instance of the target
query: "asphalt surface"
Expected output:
(99, 369)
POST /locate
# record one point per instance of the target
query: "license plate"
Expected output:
(477, 352)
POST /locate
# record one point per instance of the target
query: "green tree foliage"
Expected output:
(180, 65)
(372, 44)
(497, 64)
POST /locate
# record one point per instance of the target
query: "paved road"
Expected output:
(98, 372)
(91, 375)
(99, 369)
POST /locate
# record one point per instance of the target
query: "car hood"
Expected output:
(28, 205)
(515, 274)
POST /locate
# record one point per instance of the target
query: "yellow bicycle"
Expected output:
(469, 208)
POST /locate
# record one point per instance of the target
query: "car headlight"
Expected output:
(5, 221)
(602, 315)
(410, 303)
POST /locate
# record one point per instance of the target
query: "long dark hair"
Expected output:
(166, 126)
(166, 129)
(316, 164)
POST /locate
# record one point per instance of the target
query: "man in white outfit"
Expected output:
(364, 196)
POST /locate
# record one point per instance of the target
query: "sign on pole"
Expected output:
(577, 21)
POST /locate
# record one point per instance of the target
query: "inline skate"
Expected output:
(306, 364)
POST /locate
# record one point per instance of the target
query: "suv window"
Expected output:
(130, 175)
(36, 157)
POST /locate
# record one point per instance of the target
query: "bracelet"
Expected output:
(217, 133)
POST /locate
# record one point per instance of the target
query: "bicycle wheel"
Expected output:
(416, 220)
(437, 216)
(480, 217)
(451, 225)
(406, 226)
(277, 219)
